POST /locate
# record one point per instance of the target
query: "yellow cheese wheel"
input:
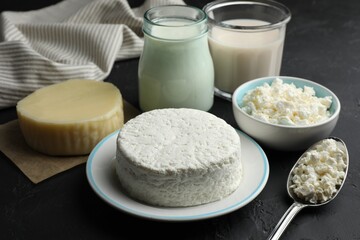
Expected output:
(71, 117)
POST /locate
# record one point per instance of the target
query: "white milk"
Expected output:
(241, 56)
(175, 68)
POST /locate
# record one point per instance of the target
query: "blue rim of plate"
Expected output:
(207, 215)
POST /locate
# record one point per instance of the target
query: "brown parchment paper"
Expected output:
(36, 166)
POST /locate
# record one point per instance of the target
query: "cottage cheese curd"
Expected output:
(320, 171)
(285, 104)
(178, 157)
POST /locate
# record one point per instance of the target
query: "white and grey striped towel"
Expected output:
(72, 39)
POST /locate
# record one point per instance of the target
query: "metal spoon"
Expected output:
(300, 203)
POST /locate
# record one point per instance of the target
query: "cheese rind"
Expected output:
(71, 117)
(178, 157)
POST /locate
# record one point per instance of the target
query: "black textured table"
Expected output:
(322, 44)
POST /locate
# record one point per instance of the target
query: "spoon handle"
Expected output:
(285, 220)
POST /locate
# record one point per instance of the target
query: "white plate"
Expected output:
(102, 178)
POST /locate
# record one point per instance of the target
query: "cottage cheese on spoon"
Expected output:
(320, 171)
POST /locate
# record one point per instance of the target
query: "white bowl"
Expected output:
(283, 137)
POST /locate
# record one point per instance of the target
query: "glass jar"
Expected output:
(246, 40)
(175, 68)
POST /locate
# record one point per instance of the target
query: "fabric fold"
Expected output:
(74, 39)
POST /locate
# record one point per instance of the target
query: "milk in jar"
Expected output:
(175, 68)
(241, 56)
(246, 40)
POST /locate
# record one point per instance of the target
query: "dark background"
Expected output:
(322, 44)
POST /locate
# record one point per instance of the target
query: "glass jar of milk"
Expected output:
(175, 68)
(246, 40)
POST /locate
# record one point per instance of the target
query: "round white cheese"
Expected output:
(178, 157)
(71, 117)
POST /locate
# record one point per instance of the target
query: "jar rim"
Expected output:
(193, 22)
(175, 22)
(282, 9)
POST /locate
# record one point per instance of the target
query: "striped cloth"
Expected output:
(72, 39)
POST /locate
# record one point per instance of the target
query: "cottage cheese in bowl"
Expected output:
(285, 104)
(285, 113)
